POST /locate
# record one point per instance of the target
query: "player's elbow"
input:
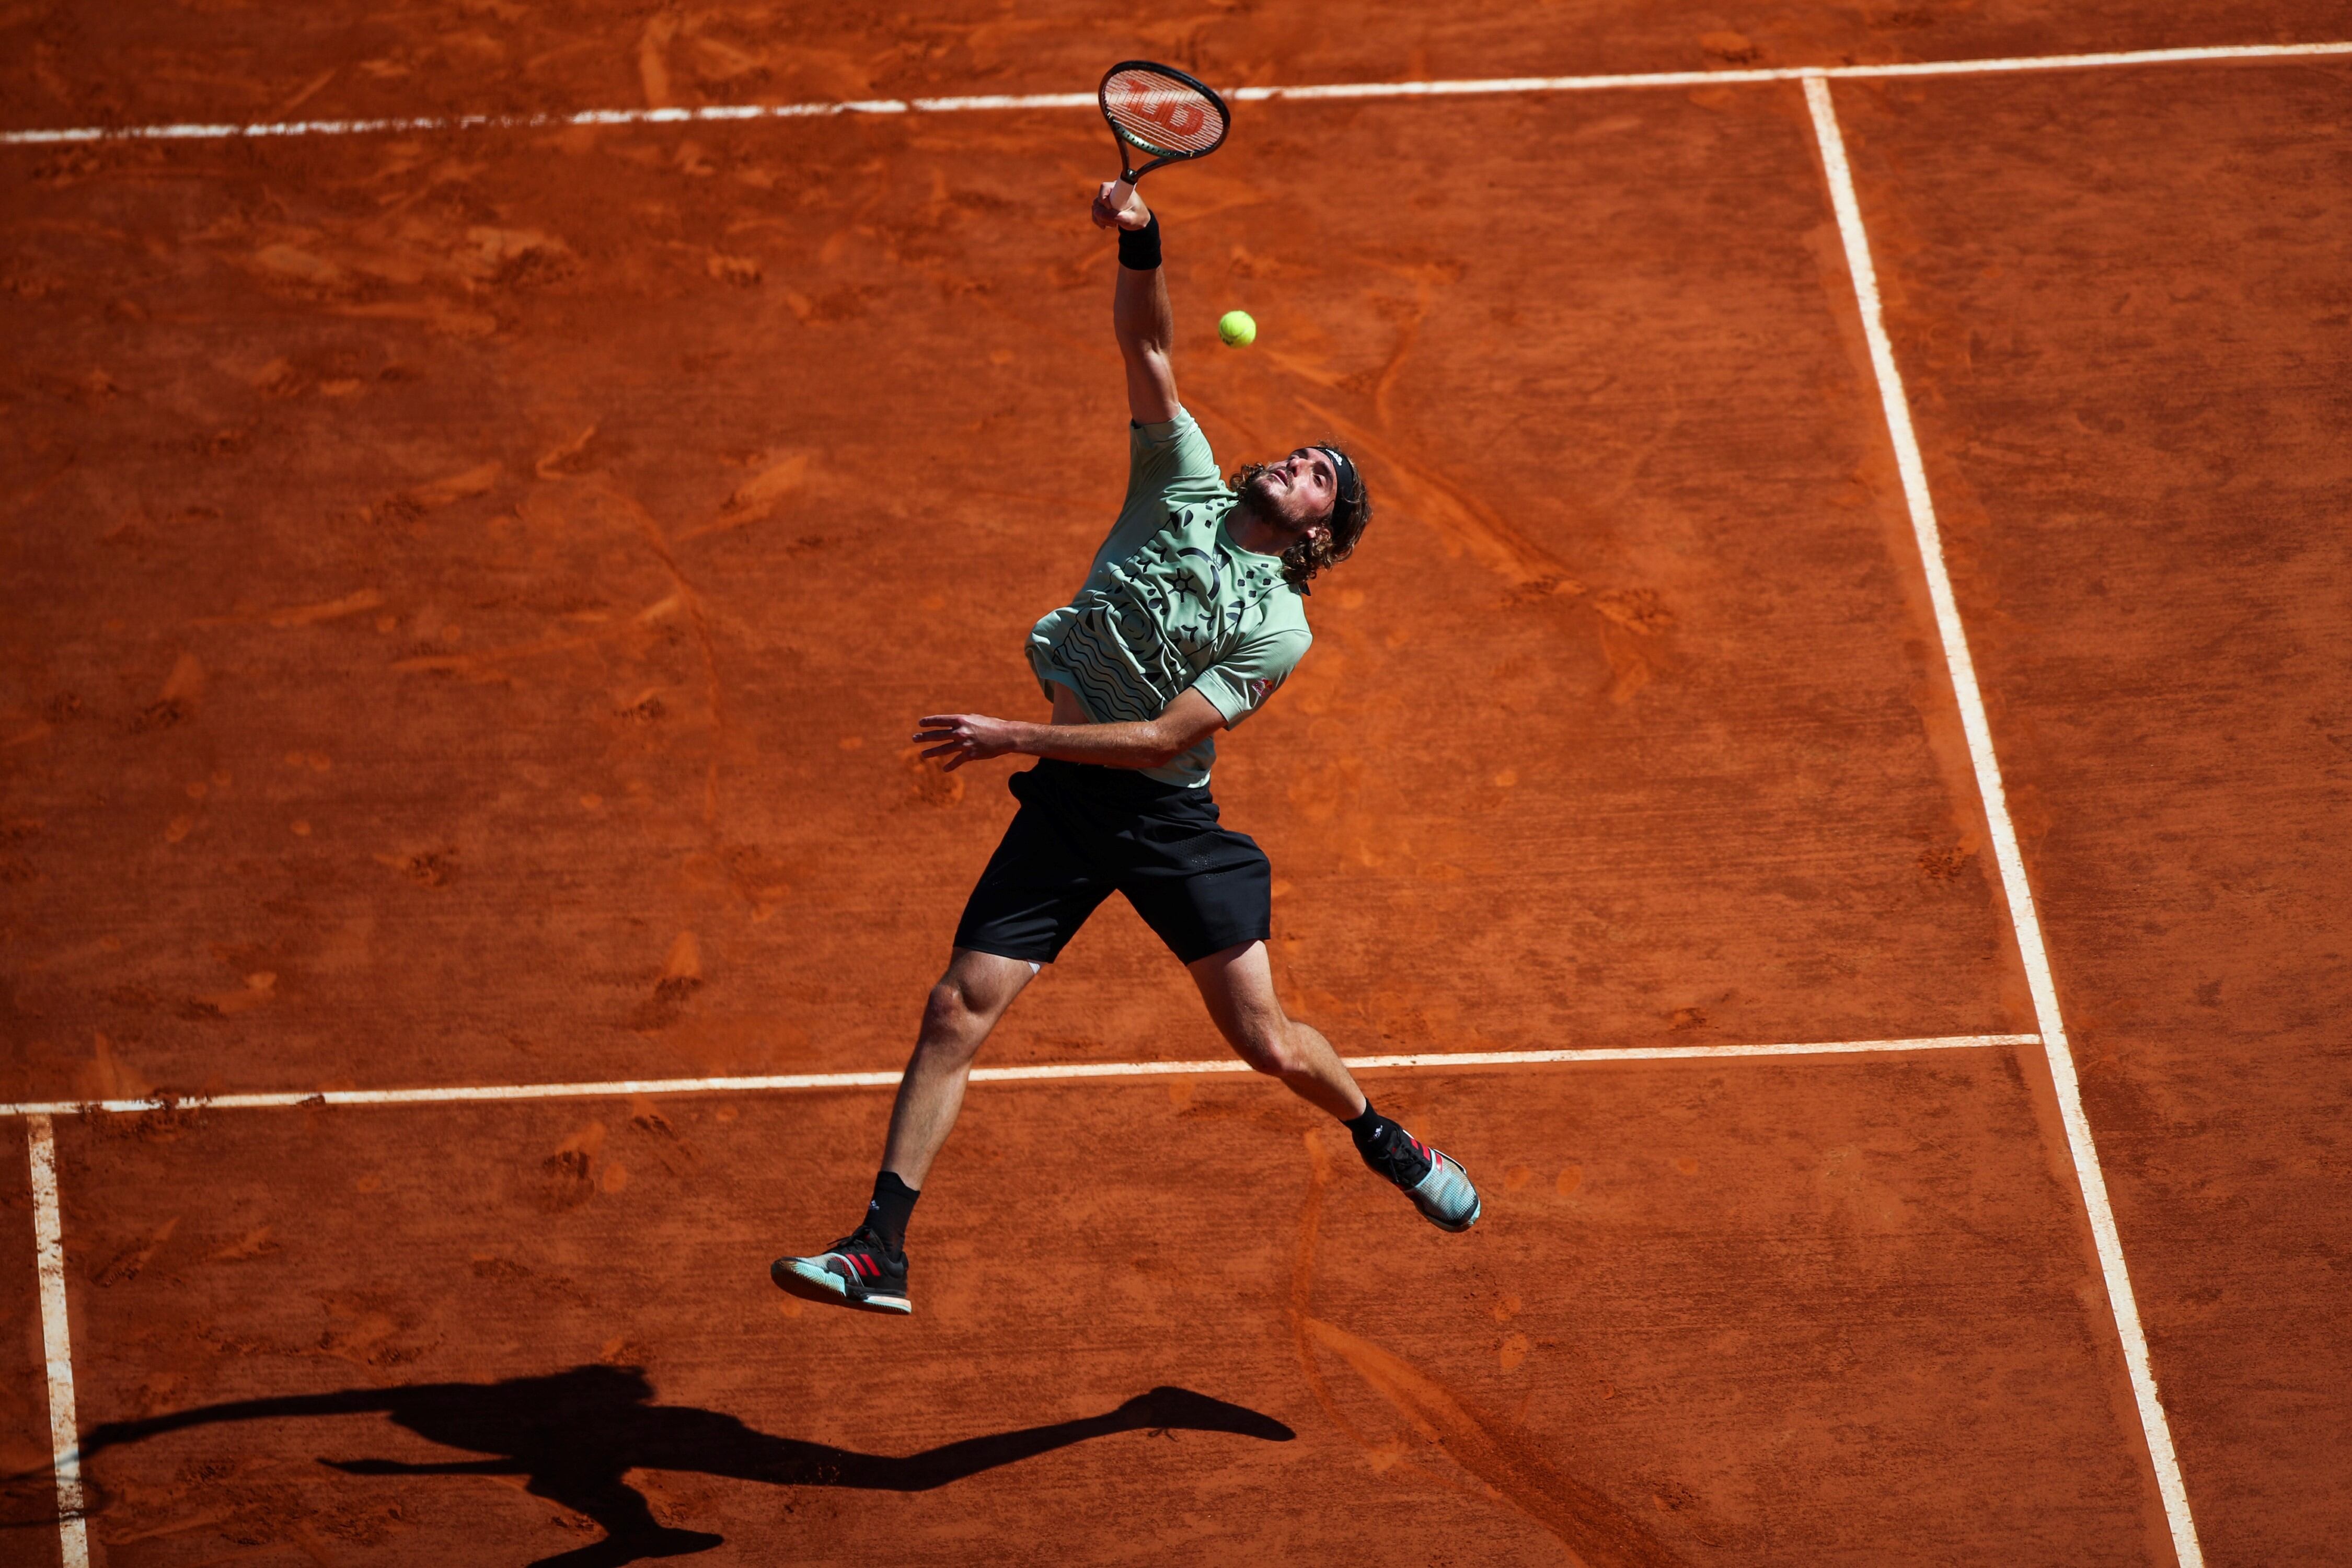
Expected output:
(1160, 748)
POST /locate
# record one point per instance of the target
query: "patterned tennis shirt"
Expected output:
(1171, 603)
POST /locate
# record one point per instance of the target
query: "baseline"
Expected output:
(2018, 893)
(201, 132)
(42, 1110)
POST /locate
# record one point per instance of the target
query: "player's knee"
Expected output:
(952, 1015)
(1265, 1044)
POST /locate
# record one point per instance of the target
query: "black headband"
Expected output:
(1346, 473)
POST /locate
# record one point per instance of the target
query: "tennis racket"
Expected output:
(1163, 115)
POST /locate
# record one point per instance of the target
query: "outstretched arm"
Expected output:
(961, 738)
(1140, 315)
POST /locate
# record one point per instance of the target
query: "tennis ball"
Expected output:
(1237, 328)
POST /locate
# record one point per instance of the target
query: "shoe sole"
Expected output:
(1476, 1208)
(801, 1277)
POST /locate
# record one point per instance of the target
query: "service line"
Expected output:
(2023, 918)
(1477, 87)
(1044, 1071)
(56, 1344)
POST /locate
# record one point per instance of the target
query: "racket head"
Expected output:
(1163, 113)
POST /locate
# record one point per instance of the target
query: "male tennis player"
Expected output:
(1191, 618)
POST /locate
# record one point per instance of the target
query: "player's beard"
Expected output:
(1255, 495)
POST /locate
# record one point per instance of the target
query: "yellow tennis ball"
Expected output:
(1237, 328)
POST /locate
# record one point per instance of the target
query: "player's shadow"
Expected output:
(575, 1434)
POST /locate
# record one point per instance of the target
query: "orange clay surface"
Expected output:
(1718, 1313)
(242, 60)
(467, 600)
(472, 626)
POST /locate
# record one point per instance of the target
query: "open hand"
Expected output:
(962, 738)
(1120, 205)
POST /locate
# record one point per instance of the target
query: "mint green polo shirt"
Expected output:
(1171, 603)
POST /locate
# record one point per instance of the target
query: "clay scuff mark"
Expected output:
(1383, 1454)
(700, 620)
(351, 604)
(1595, 1532)
(1468, 525)
(1425, 278)
(565, 458)
(484, 665)
(756, 499)
(1631, 622)
(653, 58)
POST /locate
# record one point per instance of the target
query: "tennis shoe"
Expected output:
(860, 1271)
(1436, 1182)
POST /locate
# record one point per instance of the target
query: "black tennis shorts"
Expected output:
(1083, 831)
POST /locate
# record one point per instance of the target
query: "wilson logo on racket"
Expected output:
(1182, 118)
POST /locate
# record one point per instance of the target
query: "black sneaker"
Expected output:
(858, 1271)
(1437, 1184)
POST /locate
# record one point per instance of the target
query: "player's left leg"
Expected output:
(1037, 890)
(1237, 984)
(867, 1268)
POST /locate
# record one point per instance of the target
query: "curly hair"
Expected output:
(1351, 512)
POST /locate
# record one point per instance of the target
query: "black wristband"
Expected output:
(1139, 248)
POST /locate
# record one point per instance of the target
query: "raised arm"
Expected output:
(1140, 315)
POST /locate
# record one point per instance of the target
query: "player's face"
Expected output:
(1301, 488)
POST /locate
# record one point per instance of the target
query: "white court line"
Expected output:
(623, 1087)
(56, 1344)
(1481, 87)
(2020, 894)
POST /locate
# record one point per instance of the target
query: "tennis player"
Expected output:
(1191, 618)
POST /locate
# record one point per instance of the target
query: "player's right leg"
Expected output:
(867, 1267)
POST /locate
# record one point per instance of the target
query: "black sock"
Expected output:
(893, 1206)
(1369, 1130)
(1386, 1147)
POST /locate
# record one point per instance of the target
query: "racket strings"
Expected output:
(1162, 115)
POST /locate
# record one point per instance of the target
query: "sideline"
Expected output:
(621, 1087)
(1481, 87)
(2023, 918)
(56, 1344)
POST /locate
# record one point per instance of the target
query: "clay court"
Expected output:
(1821, 788)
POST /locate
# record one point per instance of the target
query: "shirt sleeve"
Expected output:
(1171, 464)
(1239, 685)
